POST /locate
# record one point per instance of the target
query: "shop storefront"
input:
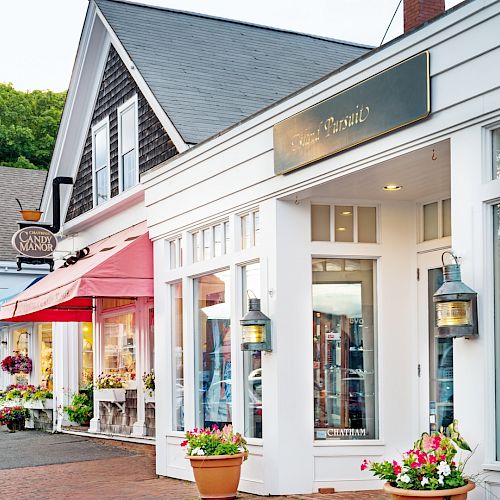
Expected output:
(101, 310)
(343, 246)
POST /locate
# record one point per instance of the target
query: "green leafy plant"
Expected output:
(109, 381)
(214, 441)
(81, 408)
(149, 382)
(430, 465)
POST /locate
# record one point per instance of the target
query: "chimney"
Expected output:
(417, 12)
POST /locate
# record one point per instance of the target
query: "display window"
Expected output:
(252, 360)
(177, 356)
(213, 349)
(119, 354)
(496, 261)
(87, 357)
(20, 345)
(46, 367)
(343, 336)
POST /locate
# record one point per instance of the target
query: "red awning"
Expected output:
(118, 266)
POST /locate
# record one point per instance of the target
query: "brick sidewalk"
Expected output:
(125, 477)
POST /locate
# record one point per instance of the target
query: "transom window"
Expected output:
(436, 220)
(344, 223)
(213, 241)
(250, 229)
(100, 161)
(128, 159)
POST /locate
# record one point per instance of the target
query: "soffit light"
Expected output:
(392, 187)
(347, 212)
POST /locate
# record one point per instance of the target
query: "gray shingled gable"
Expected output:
(209, 73)
(22, 183)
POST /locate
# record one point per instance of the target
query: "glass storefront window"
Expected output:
(45, 343)
(496, 153)
(496, 258)
(441, 364)
(87, 367)
(252, 360)
(119, 345)
(177, 357)
(20, 339)
(151, 337)
(344, 349)
(213, 349)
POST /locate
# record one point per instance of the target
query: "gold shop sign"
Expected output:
(385, 102)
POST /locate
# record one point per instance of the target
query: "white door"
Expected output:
(435, 355)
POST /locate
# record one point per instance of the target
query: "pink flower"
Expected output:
(436, 442)
(432, 459)
(184, 443)
(414, 465)
(397, 469)
(364, 465)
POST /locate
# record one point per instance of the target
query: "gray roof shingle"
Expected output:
(22, 183)
(209, 73)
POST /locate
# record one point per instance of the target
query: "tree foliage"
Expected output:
(28, 126)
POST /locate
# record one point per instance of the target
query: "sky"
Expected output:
(39, 38)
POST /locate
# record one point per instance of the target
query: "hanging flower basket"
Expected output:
(19, 363)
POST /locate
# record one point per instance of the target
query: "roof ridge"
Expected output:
(236, 21)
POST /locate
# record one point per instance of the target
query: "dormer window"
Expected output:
(100, 161)
(128, 154)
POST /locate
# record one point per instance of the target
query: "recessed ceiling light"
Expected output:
(347, 212)
(392, 187)
(341, 229)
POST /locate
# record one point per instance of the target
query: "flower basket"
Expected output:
(217, 476)
(16, 425)
(459, 493)
(430, 469)
(110, 395)
(149, 397)
(19, 363)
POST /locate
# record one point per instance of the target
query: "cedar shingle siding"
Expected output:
(155, 145)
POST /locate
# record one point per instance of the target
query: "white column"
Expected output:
(287, 384)
(142, 354)
(95, 423)
(65, 356)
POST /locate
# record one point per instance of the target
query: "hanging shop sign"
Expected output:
(34, 242)
(385, 102)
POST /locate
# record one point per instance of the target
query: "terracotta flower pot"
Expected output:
(451, 494)
(31, 215)
(217, 477)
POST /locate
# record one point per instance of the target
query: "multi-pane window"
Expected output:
(176, 253)
(100, 161)
(127, 144)
(177, 356)
(343, 337)
(351, 224)
(213, 381)
(212, 241)
(250, 229)
(436, 220)
(252, 360)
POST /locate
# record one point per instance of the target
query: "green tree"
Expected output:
(28, 126)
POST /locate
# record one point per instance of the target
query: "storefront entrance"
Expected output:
(435, 367)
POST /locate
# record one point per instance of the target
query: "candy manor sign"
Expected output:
(387, 101)
(34, 242)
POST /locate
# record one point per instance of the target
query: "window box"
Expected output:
(110, 395)
(40, 404)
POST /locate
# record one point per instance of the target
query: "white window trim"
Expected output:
(132, 102)
(96, 128)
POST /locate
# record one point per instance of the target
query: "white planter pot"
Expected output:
(110, 395)
(34, 404)
(48, 404)
(149, 397)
